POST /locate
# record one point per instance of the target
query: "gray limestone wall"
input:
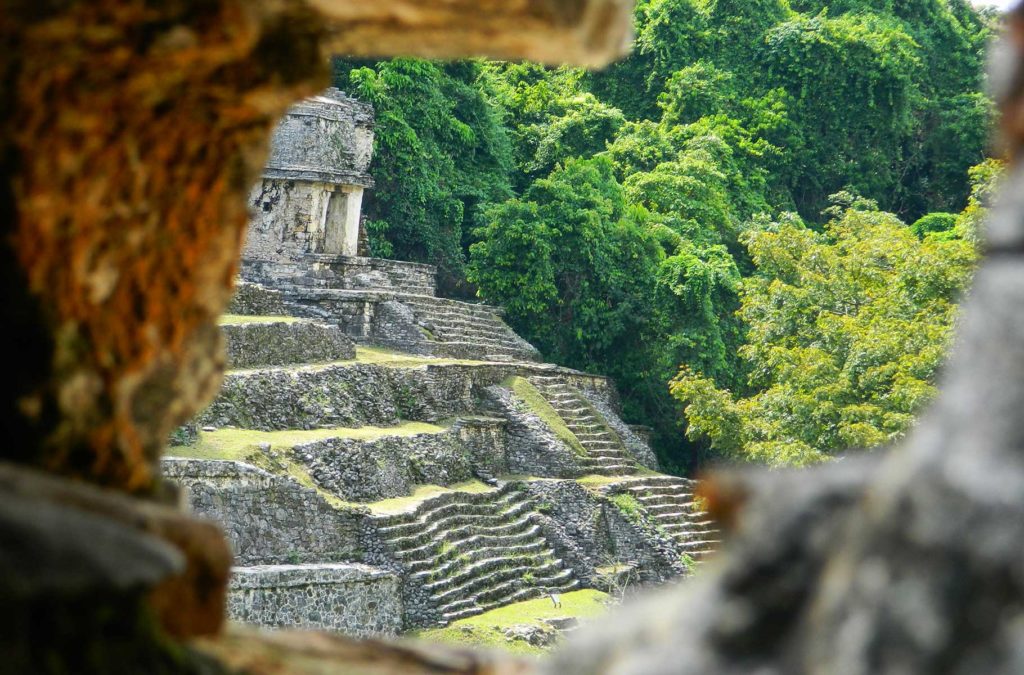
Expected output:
(573, 521)
(326, 138)
(603, 396)
(392, 466)
(354, 599)
(268, 519)
(639, 542)
(533, 449)
(254, 300)
(348, 395)
(287, 219)
(359, 273)
(251, 345)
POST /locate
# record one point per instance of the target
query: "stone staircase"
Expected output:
(606, 454)
(465, 329)
(668, 501)
(472, 552)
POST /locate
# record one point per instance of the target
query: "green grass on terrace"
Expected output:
(239, 319)
(539, 405)
(422, 493)
(487, 629)
(237, 444)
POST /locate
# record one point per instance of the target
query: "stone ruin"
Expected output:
(355, 385)
(128, 142)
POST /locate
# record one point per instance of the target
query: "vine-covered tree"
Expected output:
(618, 214)
(845, 330)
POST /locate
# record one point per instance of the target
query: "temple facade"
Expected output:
(310, 198)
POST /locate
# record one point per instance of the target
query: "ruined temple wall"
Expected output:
(631, 541)
(309, 200)
(533, 449)
(326, 137)
(288, 219)
(392, 466)
(267, 519)
(353, 599)
(336, 395)
(573, 521)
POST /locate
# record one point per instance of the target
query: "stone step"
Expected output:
(498, 589)
(673, 512)
(461, 322)
(447, 304)
(485, 503)
(503, 523)
(432, 544)
(428, 557)
(478, 575)
(469, 607)
(449, 562)
(436, 509)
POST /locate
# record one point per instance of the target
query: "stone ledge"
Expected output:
(287, 576)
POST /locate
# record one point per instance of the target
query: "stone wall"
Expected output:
(636, 541)
(251, 345)
(336, 395)
(533, 449)
(361, 470)
(353, 599)
(327, 138)
(574, 522)
(288, 219)
(605, 400)
(255, 300)
(268, 519)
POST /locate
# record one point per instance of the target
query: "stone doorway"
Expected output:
(341, 221)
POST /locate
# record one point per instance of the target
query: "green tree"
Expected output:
(442, 154)
(846, 329)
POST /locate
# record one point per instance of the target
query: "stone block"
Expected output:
(348, 598)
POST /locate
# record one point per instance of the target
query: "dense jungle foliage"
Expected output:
(768, 205)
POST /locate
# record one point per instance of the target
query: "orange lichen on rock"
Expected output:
(137, 129)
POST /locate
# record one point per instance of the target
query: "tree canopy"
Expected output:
(626, 218)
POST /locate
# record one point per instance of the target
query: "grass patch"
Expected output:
(629, 507)
(422, 493)
(240, 319)
(389, 357)
(236, 444)
(597, 480)
(487, 629)
(539, 406)
(375, 356)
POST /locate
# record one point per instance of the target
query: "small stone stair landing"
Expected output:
(468, 553)
(468, 330)
(606, 453)
(669, 502)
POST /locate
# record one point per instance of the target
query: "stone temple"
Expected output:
(383, 459)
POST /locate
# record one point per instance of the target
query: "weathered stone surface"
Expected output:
(392, 466)
(268, 519)
(336, 395)
(352, 599)
(585, 32)
(252, 299)
(281, 343)
(52, 549)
